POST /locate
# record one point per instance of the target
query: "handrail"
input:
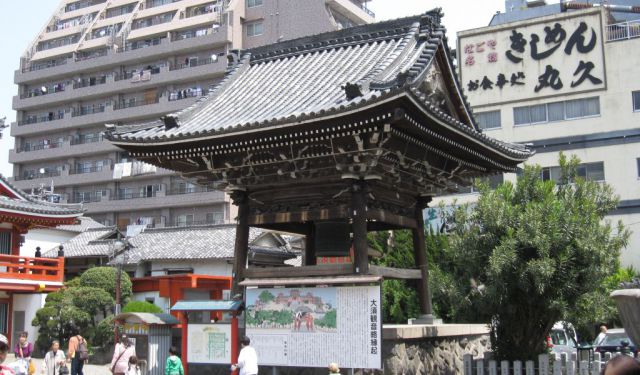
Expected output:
(623, 30)
(28, 268)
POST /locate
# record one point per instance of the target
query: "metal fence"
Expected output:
(623, 30)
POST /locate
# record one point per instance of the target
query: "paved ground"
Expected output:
(88, 369)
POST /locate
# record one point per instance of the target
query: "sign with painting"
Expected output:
(209, 343)
(312, 327)
(528, 59)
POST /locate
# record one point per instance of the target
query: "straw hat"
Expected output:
(333, 368)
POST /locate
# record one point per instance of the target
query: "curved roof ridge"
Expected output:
(361, 34)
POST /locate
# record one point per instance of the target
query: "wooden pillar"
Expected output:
(420, 255)
(309, 245)
(359, 227)
(184, 319)
(241, 251)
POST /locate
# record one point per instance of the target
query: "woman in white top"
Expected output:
(53, 360)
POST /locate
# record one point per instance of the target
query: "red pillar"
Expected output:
(234, 339)
(184, 319)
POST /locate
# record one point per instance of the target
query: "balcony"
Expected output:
(353, 10)
(65, 178)
(141, 202)
(73, 148)
(623, 31)
(25, 273)
(166, 47)
(109, 115)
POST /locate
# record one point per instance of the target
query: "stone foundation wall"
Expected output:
(437, 355)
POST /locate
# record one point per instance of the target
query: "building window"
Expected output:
(5, 244)
(636, 101)
(588, 171)
(556, 111)
(184, 220)
(253, 3)
(254, 29)
(638, 166)
(489, 120)
(493, 181)
(215, 218)
(4, 317)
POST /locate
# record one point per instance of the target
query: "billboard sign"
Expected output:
(312, 327)
(550, 56)
(209, 343)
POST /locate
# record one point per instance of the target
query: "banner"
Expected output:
(312, 327)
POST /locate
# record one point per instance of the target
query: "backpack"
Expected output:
(82, 352)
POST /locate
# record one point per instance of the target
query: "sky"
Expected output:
(22, 20)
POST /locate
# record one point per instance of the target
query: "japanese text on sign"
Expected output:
(559, 56)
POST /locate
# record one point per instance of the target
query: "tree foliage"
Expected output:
(105, 278)
(80, 304)
(531, 251)
(399, 297)
(141, 307)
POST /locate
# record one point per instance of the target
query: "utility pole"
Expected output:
(119, 247)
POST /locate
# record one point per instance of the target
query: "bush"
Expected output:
(141, 307)
(103, 334)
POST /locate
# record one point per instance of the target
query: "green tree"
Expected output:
(78, 305)
(533, 250)
(596, 307)
(141, 307)
(105, 278)
(399, 297)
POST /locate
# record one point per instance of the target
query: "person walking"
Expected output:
(174, 363)
(77, 353)
(4, 349)
(121, 354)
(54, 360)
(247, 360)
(601, 336)
(23, 351)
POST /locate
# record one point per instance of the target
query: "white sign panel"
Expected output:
(530, 59)
(209, 343)
(312, 327)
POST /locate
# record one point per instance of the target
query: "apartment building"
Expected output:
(100, 62)
(562, 78)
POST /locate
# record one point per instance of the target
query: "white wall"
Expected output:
(161, 302)
(200, 267)
(29, 303)
(47, 239)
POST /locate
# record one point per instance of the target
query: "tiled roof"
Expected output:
(82, 225)
(186, 243)
(90, 243)
(316, 77)
(27, 205)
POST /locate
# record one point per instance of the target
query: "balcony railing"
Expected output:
(34, 120)
(82, 111)
(41, 147)
(193, 64)
(132, 195)
(363, 6)
(623, 30)
(26, 268)
(83, 170)
(92, 81)
(189, 190)
(137, 103)
(33, 176)
(44, 65)
(85, 140)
